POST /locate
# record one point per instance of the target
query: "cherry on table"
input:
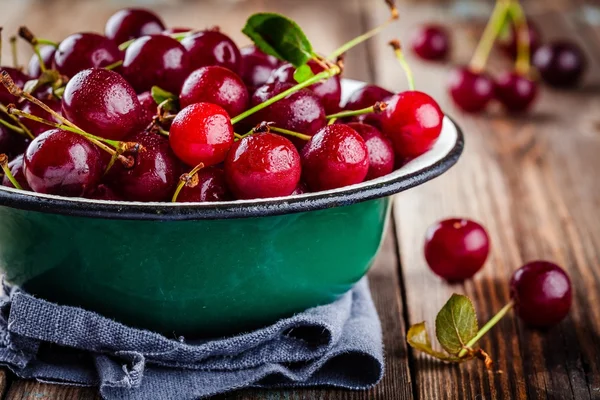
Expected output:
(381, 150)
(47, 53)
(367, 96)
(11, 143)
(560, 63)
(19, 78)
(515, 91)
(431, 42)
(456, 249)
(212, 47)
(212, 186)
(470, 90)
(542, 293)
(16, 169)
(132, 23)
(85, 50)
(256, 66)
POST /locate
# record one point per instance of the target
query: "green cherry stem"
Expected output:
(486, 328)
(491, 31)
(290, 133)
(12, 127)
(187, 179)
(114, 65)
(26, 132)
(7, 172)
(400, 56)
(13, 50)
(523, 62)
(332, 121)
(377, 108)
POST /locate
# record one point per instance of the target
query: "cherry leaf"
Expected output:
(418, 338)
(456, 324)
(160, 96)
(303, 73)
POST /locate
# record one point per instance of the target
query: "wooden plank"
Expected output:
(30, 390)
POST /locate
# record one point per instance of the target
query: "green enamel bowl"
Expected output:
(205, 269)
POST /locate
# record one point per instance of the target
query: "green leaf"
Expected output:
(456, 324)
(418, 338)
(279, 36)
(303, 73)
(160, 96)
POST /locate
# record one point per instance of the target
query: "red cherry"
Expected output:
(11, 143)
(560, 63)
(365, 97)
(334, 157)
(212, 186)
(16, 169)
(85, 50)
(47, 53)
(37, 127)
(300, 189)
(471, 91)
(456, 249)
(18, 78)
(148, 110)
(381, 151)
(542, 293)
(212, 48)
(132, 23)
(413, 121)
(431, 42)
(509, 43)
(516, 92)
(262, 165)
(201, 133)
(101, 102)
(216, 85)
(256, 66)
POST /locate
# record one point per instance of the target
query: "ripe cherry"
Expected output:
(212, 186)
(148, 110)
(456, 249)
(103, 103)
(201, 133)
(560, 63)
(11, 143)
(365, 97)
(542, 293)
(431, 42)
(216, 85)
(515, 91)
(413, 121)
(470, 90)
(156, 60)
(18, 78)
(85, 50)
(300, 189)
(132, 23)
(47, 53)
(62, 163)
(16, 169)
(262, 165)
(37, 127)
(509, 43)
(212, 48)
(381, 150)
(334, 157)
(256, 67)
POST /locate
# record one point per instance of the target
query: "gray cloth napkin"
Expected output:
(338, 344)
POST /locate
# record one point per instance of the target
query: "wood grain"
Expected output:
(29, 390)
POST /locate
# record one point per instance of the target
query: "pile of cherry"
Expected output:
(145, 113)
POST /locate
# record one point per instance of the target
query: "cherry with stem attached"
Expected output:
(189, 179)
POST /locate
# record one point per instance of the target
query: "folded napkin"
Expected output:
(338, 344)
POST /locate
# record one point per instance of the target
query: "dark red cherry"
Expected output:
(300, 189)
(471, 91)
(18, 78)
(62, 163)
(201, 133)
(365, 97)
(47, 53)
(154, 174)
(335, 157)
(256, 66)
(560, 63)
(262, 165)
(149, 108)
(16, 169)
(381, 150)
(212, 186)
(212, 48)
(542, 293)
(413, 121)
(85, 50)
(509, 42)
(132, 23)
(431, 42)
(37, 127)
(11, 143)
(456, 248)
(216, 85)
(515, 91)
(103, 192)
(101, 102)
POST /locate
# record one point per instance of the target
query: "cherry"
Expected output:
(156, 60)
(509, 43)
(154, 174)
(365, 97)
(18, 78)
(212, 186)
(212, 47)
(300, 189)
(216, 85)
(35, 127)
(16, 169)
(470, 90)
(47, 53)
(262, 165)
(101, 102)
(542, 294)
(431, 42)
(515, 91)
(381, 150)
(85, 50)
(413, 121)
(201, 133)
(103, 192)
(560, 63)
(456, 249)
(62, 163)
(132, 23)
(256, 66)
(334, 157)
(328, 91)
(149, 108)
(11, 143)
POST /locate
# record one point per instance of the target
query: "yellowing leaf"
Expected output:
(418, 338)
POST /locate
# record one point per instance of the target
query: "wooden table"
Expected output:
(531, 180)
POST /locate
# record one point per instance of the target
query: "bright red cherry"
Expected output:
(509, 42)
(201, 133)
(334, 157)
(132, 23)
(101, 102)
(47, 53)
(11, 143)
(515, 91)
(149, 108)
(381, 150)
(471, 91)
(85, 50)
(542, 293)
(156, 60)
(365, 97)
(216, 85)
(18, 78)
(212, 48)
(16, 169)
(456, 249)
(62, 163)
(37, 127)
(212, 186)
(560, 63)
(413, 121)
(262, 165)
(256, 66)
(431, 42)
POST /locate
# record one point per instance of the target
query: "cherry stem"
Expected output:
(114, 65)
(491, 31)
(12, 127)
(29, 37)
(486, 328)
(186, 179)
(26, 131)
(290, 133)
(333, 71)
(7, 172)
(523, 61)
(400, 56)
(162, 131)
(13, 49)
(377, 108)
(331, 121)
